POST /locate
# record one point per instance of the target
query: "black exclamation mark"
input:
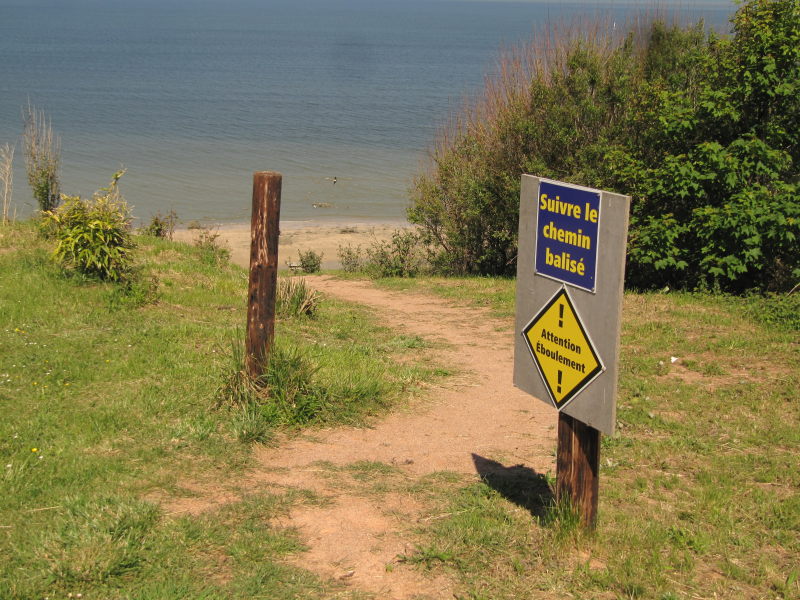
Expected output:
(560, 324)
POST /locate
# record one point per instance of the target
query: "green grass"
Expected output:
(107, 400)
(699, 487)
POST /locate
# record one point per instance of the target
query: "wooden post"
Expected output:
(578, 467)
(263, 270)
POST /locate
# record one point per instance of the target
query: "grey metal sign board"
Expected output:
(593, 295)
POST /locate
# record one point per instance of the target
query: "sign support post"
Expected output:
(578, 466)
(264, 231)
(570, 274)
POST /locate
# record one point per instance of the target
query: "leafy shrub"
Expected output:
(210, 250)
(294, 298)
(778, 310)
(161, 226)
(399, 257)
(93, 236)
(310, 261)
(701, 131)
(350, 258)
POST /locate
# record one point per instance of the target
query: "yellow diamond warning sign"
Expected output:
(561, 349)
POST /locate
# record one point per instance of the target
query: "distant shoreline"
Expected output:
(321, 236)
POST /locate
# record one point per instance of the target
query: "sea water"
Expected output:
(343, 97)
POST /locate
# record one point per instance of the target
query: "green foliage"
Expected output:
(93, 236)
(703, 132)
(210, 251)
(42, 157)
(721, 207)
(295, 299)
(161, 226)
(136, 290)
(399, 257)
(310, 261)
(350, 258)
(781, 311)
(402, 256)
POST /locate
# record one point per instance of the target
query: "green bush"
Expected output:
(210, 250)
(702, 132)
(350, 258)
(310, 261)
(400, 257)
(161, 226)
(781, 311)
(724, 193)
(93, 236)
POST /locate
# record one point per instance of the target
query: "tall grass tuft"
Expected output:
(42, 157)
(295, 299)
(210, 251)
(6, 180)
(287, 394)
(161, 226)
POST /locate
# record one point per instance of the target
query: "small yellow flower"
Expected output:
(34, 449)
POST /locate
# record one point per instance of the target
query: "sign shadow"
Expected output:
(518, 484)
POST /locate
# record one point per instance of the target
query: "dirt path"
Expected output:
(479, 415)
(471, 424)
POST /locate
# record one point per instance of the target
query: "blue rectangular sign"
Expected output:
(567, 234)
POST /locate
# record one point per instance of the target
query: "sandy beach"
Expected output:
(323, 237)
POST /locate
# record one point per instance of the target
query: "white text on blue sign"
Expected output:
(567, 234)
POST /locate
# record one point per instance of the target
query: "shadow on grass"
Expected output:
(521, 485)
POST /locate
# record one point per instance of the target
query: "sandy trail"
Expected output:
(476, 414)
(468, 423)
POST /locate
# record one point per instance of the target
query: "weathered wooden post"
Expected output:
(263, 270)
(570, 272)
(578, 466)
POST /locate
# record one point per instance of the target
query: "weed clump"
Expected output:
(210, 251)
(161, 226)
(399, 257)
(350, 258)
(42, 157)
(295, 299)
(6, 180)
(404, 255)
(310, 261)
(93, 236)
(286, 394)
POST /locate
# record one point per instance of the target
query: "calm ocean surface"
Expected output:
(192, 96)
